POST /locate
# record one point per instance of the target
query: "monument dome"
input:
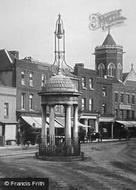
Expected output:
(59, 83)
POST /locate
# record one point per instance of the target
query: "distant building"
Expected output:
(8, 123)
(108, 94)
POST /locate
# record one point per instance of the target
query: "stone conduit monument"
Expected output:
(59, 90)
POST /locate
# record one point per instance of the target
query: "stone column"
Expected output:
(51, 126)
(112, 130)
(75, 130)
(68, 125)
(44, 127)
(86, 128)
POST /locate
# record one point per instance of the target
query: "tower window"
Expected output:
(111, 70)
(101, 70)
(119, 71)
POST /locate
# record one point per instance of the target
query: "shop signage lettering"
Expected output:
(106, 21)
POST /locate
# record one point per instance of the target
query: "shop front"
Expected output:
(8, 133)
(106, 127)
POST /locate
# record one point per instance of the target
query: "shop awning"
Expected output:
(61, 121)
(37, 122)
(133, 123)
(9, 122)
(128, 123)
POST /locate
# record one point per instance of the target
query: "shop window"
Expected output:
(116, 113)
(121, 114)
(128, 114)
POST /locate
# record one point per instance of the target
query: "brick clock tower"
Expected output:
(109, 59)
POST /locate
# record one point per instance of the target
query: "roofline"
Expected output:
(108, 46)
(8, 56)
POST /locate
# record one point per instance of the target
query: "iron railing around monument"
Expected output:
(60, 149)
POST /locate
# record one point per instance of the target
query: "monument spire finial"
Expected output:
(132, 66)
(108, 30)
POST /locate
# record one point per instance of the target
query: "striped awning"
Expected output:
(127, 123)
(37, 121)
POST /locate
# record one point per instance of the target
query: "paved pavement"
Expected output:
(10, 150)
(107, 166)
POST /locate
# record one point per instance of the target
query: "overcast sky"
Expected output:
(28, 26)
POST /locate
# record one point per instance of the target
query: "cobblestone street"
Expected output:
(107, 165)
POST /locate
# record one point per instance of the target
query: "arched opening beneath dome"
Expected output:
(69, 143)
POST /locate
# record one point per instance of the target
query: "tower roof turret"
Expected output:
(109, 41)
